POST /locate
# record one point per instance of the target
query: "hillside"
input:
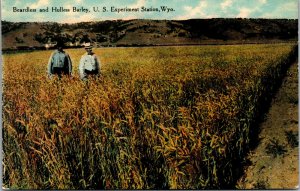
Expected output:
(149, 32)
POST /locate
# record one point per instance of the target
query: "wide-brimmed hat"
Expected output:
(60, 43)
(88, 46)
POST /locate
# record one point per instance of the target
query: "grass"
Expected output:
(292, 138)
(261, 184)
(275, 149)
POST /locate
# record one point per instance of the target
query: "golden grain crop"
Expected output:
(159, 117)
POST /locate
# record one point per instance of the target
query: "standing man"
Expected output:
(59, 62)
(89, 64)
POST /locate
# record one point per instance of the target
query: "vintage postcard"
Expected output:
(149, 94)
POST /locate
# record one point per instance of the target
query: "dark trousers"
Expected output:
(60, 71)
(91, 73)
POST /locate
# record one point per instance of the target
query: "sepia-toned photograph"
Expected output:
(149, 94)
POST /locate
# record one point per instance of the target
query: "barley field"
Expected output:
(157, 118)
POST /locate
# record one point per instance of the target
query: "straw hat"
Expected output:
(88, 46)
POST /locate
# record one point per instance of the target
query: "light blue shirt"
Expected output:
(59, 59)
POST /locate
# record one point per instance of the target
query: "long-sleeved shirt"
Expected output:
(59, 59)
(90, 63)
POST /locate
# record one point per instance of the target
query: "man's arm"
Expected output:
(82, 74)
(69, 64)
(50, 63)
(98, 64)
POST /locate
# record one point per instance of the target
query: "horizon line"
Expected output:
(240, 18)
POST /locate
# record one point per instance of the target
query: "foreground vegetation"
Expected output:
(158, 118)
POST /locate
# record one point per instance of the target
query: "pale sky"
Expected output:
(183, 9)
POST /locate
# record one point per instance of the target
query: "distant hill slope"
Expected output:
(149, 32)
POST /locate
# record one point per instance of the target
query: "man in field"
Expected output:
(89, 65)
(59, 63)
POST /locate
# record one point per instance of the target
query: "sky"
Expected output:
(181, 9)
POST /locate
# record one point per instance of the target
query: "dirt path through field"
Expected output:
(274, 162)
